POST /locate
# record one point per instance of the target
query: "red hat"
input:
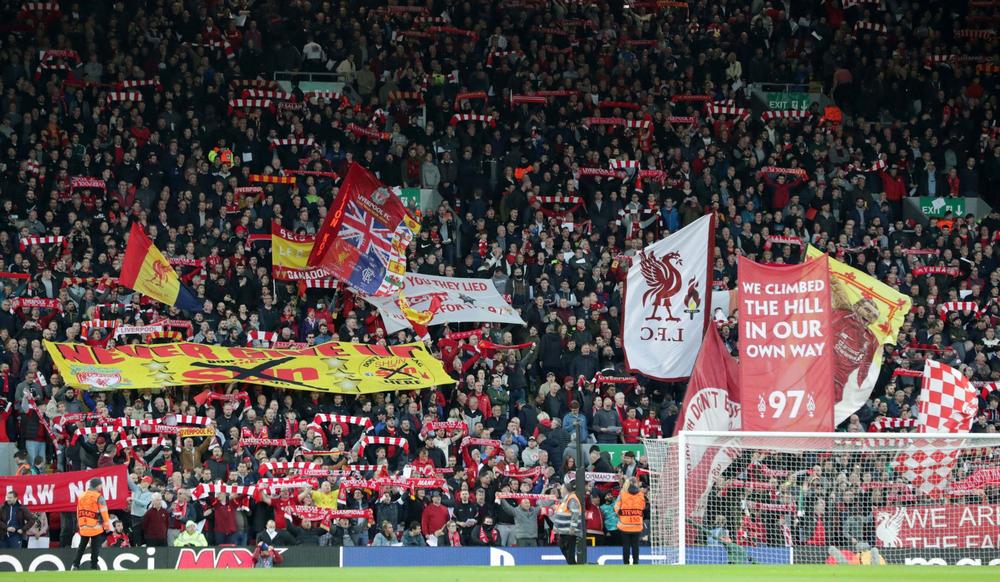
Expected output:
(147, 479)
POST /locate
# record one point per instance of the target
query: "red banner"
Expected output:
(59, 491)
(786, 365)
(938, 526)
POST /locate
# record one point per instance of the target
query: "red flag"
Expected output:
(711, 403)
(786, 363)
(364, 238)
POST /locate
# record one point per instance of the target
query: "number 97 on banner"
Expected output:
(786, 404)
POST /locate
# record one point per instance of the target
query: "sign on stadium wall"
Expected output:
(938, 526)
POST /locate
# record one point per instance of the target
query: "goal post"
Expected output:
(836, 498)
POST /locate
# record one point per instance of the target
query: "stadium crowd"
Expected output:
(902, 121)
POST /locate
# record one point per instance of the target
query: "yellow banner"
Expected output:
(196, 431)
(853, 289)
(288, 249)
(338, 367)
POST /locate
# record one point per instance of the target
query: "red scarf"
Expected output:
(486, 538)
(454, 538)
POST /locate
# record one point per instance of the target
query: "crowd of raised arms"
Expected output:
(537, 198)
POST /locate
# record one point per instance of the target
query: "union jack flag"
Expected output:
(363, 231)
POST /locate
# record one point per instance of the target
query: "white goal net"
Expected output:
(851, 498)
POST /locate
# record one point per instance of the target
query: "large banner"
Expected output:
(290, 254)
(668, 302)
(938, 526)
(57, 492)
(462, 300)
(786, 361)
(338, 367)
(866, 315)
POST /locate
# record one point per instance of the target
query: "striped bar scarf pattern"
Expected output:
(462, 117)
(124, 96)
(212, 489)
(786, 114)
(944, 308)
(139, 84)
(251, 103)
(30, 241)
(714, 110)
(870, 26)
(266, 94)
(296, 141)
(382, 440)
(143, 442)
(320, 419)
(187, 419)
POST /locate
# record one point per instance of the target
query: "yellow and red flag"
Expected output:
(147, 271)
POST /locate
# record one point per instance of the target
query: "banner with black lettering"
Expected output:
(462, 300)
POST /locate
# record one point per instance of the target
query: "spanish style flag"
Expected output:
(147, 271)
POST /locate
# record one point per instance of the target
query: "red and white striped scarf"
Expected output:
(30, 241)
(143, 442)
(175, 419)
(212, 489)
(267, 94)
(785, 114)
(944, 308)
(624, 164)
(382, 440)
(40, 7)
(461, 117)
(124, 96)
(299, 141)
(321, 419)
(251, 103)
(872, 26)
(139, 83)
(713, 110)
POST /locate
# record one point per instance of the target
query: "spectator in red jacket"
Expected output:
(434, 516)
(154, 522)
(223, 512)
